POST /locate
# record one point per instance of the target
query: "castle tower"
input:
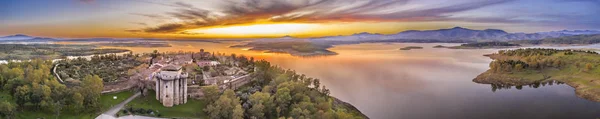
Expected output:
(171, 86)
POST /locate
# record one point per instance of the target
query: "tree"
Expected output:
(7, 110)
(588, 67)
(518, 67)
(153, 55)
(261, 104)
(77, 104)
(557, 63)
(238, 112)
(325, 91)
(211, 93)
(92, 90)
(226, 107)
(257, 111)
(282, 100)
(316, 83)
(341, 114)
(22, 95)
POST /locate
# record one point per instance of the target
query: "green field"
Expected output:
(107, 100)
(191, 109)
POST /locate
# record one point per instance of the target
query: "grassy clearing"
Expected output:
(107, 100)
(191, 109)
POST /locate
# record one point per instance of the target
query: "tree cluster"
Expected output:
(110, 67)
(33, 88)
(488, 44)
(539, 59)
(276, 93)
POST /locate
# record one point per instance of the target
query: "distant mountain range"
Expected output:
(457, 34)
(25, 38)
(20, 38)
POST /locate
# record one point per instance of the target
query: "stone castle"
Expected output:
(171, 86)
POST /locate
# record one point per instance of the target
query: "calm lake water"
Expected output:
(386, 83)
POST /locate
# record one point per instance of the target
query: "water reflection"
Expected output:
(496, 87)
(431, 83)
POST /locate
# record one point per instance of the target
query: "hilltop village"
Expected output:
(163, 85)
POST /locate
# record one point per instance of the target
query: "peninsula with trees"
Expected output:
(526, 67)
(218, 86)
(294, 48)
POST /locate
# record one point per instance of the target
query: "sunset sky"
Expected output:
(276, 18)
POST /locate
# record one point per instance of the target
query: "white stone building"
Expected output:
(171, 86)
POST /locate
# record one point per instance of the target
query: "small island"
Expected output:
(521, 67)
(411, 47)
(439, 46)
(294, 48)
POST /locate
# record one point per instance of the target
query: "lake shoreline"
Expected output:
(562, 70)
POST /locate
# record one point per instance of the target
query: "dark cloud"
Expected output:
(166, 28)
(189, 33)
(251, 11)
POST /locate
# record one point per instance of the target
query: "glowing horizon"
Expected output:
(277, 29)
(181, 19)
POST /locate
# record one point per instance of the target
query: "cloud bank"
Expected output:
(232, 12)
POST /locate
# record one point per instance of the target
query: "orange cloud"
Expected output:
(304, 11)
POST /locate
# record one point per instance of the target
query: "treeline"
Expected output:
(537, 59)
(49, 51)
(33, 88)
(540, 52)
(276, 93)
(577, 39)
(488, 44)
(110, 67)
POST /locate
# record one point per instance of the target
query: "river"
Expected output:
(431, 83)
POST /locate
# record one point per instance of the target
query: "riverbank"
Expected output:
(578, 69)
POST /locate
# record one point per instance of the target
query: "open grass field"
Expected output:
(107, 100)
(192, 109)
